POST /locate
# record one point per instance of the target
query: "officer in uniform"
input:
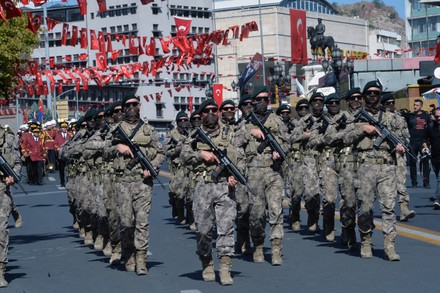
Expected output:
(264, 176)
(295, 185)
(388, 102)
(376, 173)
(179, 182)
(134, 187)
(60, 138)
(9, 150)
(214, 205)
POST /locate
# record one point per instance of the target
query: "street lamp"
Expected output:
(338, 65)
(279, 79)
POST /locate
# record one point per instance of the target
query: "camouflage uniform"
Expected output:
(265, 179)
(376, 173)
(9, 150)
(134, 191)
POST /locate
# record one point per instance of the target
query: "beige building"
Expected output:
(350, 34)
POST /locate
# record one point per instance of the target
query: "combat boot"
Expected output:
(88, 238)
(75, 225)
(116, 254)
(390, 251)
(130, 264)
(107, 251)
(366, 250)
(258, 253)
(141, 263)
(208, 273)
(82, 233)
(296, 226)
(276, 252)
(99, 243)
(225, 271)
(406, 213)
(3, 282)
(17, 218)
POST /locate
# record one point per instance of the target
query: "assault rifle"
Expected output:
(225, 162)
(341, 123)
(269, 139)
(8, 171)
(139, 156)
(385, 133)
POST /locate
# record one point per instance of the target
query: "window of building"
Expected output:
(159, 110)
(176, 100)
(119, 28)
(126, 28)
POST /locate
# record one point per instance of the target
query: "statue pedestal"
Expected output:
(312, 73)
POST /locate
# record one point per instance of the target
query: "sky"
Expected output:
(399, 5)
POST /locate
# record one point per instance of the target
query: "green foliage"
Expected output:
(16, 43)
(393, 15)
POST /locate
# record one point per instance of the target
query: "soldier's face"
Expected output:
(260, 103)
(333, 107)
(372, 95)
(228, 112)
(196, 121)
(317, 106)
(355, 101)
(246, 107)
(118, 114)
(183, 123)
(285, 115)
(390, 105)
(303, 110)
(91, 123)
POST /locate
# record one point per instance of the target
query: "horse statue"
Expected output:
(317, 44)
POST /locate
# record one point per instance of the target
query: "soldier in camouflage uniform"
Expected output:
(243, 242)
(214, 205)
(293, 177)
(405, 213)
(264, 177)
(312, 190)
(328, 173)
(179, 182)
(134, 187)
(9, 150)
(376, 173)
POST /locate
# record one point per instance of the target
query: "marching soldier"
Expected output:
(405, 213)
(213, 205)
(376, 173)
(264, 177)
(134, 186)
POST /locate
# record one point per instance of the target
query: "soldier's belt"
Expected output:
(347, 158)
(380, 161)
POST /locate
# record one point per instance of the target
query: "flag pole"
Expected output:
(46, 50)
(262, 43)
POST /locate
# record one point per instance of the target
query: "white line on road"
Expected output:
(191, 291)
(50, 178)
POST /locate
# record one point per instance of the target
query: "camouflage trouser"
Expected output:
(329, 184)
(5, 210)
(312, 190)
(296, 190)
(178, 190)
(242, 200)
(82, 189)
(401, 180)
(267, 185)
(134, 204)
(109, 197)
(71, 185)
(214, 207)
(347, 206)
(380, 179)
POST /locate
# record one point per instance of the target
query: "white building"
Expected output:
(385, 44)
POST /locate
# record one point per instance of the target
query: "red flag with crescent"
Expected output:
(183, 25)
(102, 6)
(94, 43)
(64, 34)
(33, 67)
(84, 38)
(101, 61)
(82, 7)
(9, 9)
(217, 92)
(74, 37)
(298, 37)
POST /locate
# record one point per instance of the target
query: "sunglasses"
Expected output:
(183, 120)
(303, 108)
(91, 119)
(212, 110)
(333, 103)
(259, 99)
(373, 93)
(230, 109)
(285, 113)
(357, 97)
(131, 104)
(117, 111)
(196, 118)
(247, 104)
(390, 103)
(99, 116)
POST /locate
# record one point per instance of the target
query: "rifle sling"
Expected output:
(136, 129)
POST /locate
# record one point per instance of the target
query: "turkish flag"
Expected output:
(74, 37)
(102, 6)
(9, 9)
(34, 22)
(51, 62)
(101, 61)
(64, 34)
(109, 44)
(2, 14)
(51, 23)
(33, 67)
(145, 2)
(102, 44)
(217, 92)
(132, 49)
(298, 37)
(84, 38)
(82, 7)
(183, 25)
(190, 104)
(437, 54)
(83, 56)
(39, 2)
(94, 43)
(115, 54)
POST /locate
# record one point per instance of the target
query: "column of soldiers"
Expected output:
(327, 153)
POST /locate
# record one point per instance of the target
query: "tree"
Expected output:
(378, 3)
(16, 44)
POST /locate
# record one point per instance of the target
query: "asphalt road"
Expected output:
(46, 255)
